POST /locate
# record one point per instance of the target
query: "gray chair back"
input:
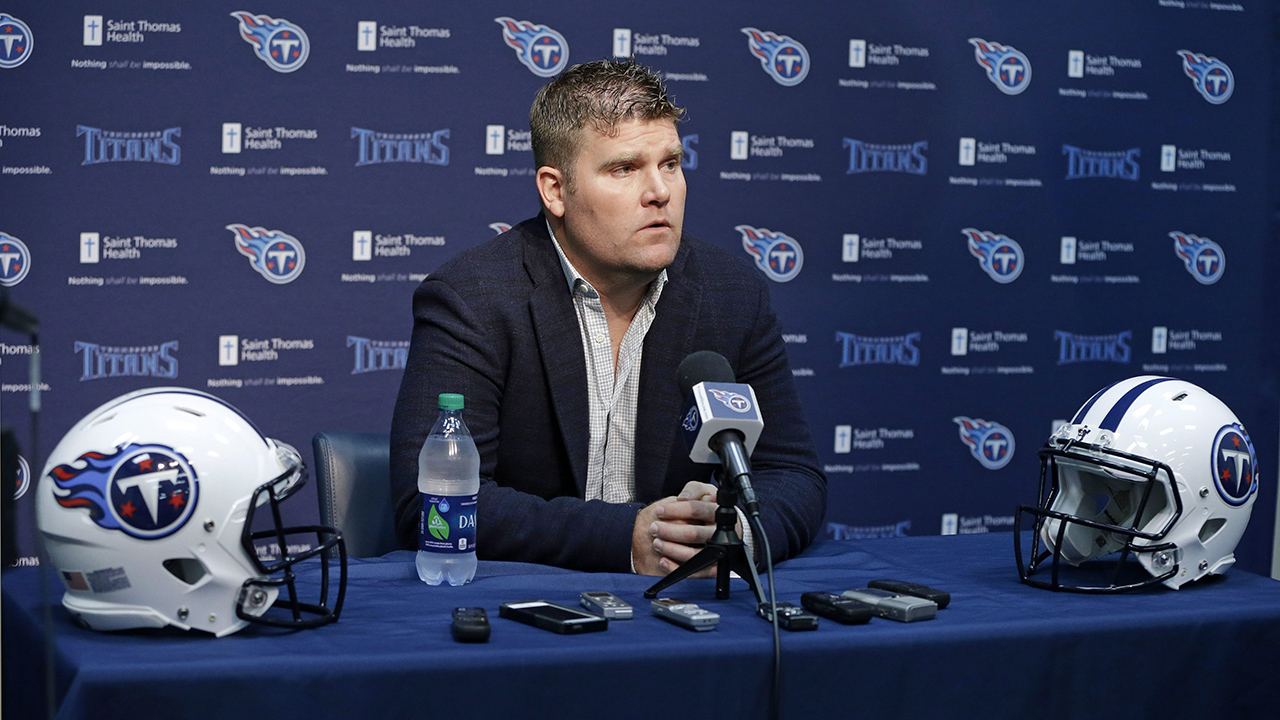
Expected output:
(353, 484)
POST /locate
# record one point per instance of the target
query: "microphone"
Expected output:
(722, 421)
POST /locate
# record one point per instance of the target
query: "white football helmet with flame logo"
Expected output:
(147, 510)
(1151, 468)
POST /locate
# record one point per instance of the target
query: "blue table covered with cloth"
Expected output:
(1000, 650)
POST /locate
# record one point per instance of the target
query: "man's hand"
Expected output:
(672, 530)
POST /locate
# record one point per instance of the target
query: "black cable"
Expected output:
(775, 699)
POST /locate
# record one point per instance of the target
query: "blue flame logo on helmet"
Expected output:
(777, 254)
(15, 41)
(280, 44)
(784, 59)
(1203, 257)
(276, 256)
(1211, 76)
(543, 50)
(990, 443)
(15, 260)
(1006, 68)
(145, 491)
(732, 400)
(1235, 465)
(1001, 258)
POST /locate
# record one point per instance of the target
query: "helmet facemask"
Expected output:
(1096, 503)
(273, 599)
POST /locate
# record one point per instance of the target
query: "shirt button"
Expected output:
(597, 337)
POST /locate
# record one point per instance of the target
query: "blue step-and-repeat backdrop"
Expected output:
(973, 215)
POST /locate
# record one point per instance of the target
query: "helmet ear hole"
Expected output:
(188, 570)
(1211, 528)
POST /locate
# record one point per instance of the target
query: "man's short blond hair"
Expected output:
(599, 95)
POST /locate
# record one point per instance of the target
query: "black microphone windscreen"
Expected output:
(704, 366)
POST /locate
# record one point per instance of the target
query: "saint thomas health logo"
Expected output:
(786, 60)
(15, 260)
(1000, 257)
(543, 50)
(280, 44)
(1203, 257)
(1211, 76)
(1006, 68)
(990, 443)
(275, 255)
(777, 254)
(15, 41)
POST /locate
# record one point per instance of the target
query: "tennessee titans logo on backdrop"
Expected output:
(1211, 76)
(541, 49)
(146, 491)
(1235, 464)
(1203, 257)
(15, 260)
(15, 41)
(1001, 257)
(276, 256)
(732, 400)
(777, 254)
(280, 44)
(23, 482)
(1007, 68)
(990, 443)
(499, 227)
(784, 59)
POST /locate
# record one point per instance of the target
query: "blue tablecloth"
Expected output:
(1001, 650)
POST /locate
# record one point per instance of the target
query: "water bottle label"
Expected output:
(447, 524)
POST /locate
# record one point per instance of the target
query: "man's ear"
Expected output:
(551, 188)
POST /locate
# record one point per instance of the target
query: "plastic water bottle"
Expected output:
(449, 482)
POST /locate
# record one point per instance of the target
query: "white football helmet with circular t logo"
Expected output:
(147, 508)
(1151, 468)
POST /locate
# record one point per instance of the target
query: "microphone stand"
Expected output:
(724, 547)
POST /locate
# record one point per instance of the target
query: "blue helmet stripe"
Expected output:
(1089, 405)
(1112, 420)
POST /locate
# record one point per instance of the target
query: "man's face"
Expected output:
(625, 211)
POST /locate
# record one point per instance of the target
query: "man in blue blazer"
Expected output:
(565, 333)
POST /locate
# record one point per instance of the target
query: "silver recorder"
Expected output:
(685, 614)
(891, 605)
(605, 604)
